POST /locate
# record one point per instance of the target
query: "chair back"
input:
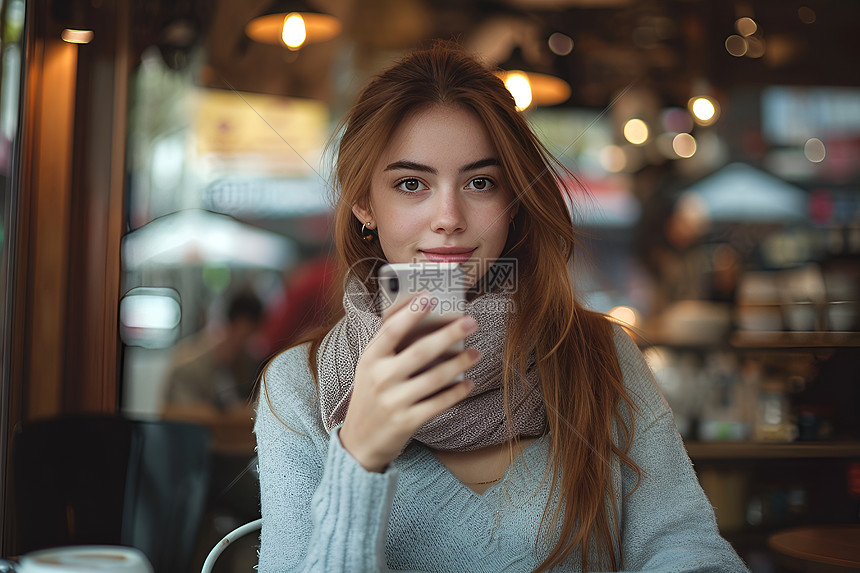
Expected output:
(108, 480)
(69, 479)
(227, 541)
(167, 491)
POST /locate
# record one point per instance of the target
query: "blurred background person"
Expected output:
(213, 372)
(306, 302)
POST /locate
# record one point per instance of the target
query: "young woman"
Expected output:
(556, 452)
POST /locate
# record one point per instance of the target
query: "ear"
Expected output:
(364, 214)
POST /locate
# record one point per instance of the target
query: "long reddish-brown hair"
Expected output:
(571, 347)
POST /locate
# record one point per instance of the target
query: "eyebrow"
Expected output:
(413, 166)
(479, 164)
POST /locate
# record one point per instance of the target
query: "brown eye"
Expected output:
(409, 185)
(481, 184)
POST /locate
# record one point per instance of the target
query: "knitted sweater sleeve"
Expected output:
(321, 510)
(668, 524)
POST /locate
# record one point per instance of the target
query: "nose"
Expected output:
(448, 213)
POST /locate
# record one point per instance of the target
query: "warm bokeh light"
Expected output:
(684, 145)
(806, 14)
(294, 33)
(635, 131)
(736, 45)
(814, 150)
(518, 84)
(704, 110)
(755, 47)
(613, 159)
(624, 314)
(77, 36)
(560, 44)
(746, 26)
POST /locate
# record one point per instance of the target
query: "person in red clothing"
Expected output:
(305, 304)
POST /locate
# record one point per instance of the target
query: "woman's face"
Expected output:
(438, 193)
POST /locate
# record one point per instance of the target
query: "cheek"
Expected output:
(497, 232)
(501, 237)
(396, 235)
(398, 226)
(404, 218)
(500, 215)
(501, 225)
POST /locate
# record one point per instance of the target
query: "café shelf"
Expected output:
(729, 450)
(794, 339)
(776, 341)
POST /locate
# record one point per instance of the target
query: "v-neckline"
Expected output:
(445, 473)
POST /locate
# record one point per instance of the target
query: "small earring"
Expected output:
(366, 231)
(513, 225)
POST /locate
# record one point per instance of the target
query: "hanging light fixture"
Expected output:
(292, 23)
(531, 88)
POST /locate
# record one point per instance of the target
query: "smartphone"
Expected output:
(442, 284)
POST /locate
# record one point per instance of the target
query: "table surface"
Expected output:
(832, 544)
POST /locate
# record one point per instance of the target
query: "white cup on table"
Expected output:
(85, 559)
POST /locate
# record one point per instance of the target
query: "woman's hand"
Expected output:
(388, 405)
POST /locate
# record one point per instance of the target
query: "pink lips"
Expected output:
(448, 254)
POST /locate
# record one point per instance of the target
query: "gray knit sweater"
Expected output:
(323, 512)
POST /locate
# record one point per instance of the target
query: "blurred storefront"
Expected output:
(166, 161)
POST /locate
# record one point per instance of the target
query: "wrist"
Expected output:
(365, 459)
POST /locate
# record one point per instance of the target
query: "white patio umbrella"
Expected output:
(197, 236)
(739, 192)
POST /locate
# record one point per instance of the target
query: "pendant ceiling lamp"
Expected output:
(292, 23)
(529, 87)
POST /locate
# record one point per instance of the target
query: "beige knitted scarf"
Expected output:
(477, 421)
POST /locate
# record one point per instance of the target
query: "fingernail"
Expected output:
(474, 353)
(469, 324)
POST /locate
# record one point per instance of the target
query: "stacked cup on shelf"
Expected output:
(803, 299)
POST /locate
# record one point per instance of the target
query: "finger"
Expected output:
(396, 326)
(438, 403)
(435, 379)
(430, 347)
